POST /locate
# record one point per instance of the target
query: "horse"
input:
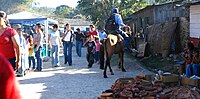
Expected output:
(114, 44)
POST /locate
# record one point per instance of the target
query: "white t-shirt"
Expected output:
(54, 37)
(68, 36)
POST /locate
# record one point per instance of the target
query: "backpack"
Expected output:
(111, 25)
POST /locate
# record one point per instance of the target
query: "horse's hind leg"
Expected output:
(111, 72)
(107, 64)
(122, 61)
(119, 61)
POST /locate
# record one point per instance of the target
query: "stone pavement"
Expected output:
(74, 82)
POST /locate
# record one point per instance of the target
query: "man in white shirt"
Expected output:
(67, 44)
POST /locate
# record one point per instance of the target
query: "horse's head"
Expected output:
(127, 30)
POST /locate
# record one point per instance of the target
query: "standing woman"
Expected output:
(54, 44)
(68, 43)
(38, 46)
(9, 42)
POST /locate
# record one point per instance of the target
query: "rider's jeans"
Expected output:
(125, 36)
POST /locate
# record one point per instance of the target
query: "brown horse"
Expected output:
(114, 44)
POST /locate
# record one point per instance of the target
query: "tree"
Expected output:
(64, 11)
(11, 6)
(99, 10)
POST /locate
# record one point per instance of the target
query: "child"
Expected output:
(31, 52)
(98, 44)
(195, 62)
(90, 44)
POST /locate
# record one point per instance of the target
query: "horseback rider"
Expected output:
(119, 22)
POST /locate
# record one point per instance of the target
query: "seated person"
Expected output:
(195, 62)
(187, 58)
(118, 24)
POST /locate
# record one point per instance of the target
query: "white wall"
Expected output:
(195, 21)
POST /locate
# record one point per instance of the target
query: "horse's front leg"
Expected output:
(101, 57)
(111, 72)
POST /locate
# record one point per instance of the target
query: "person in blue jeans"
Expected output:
(194, 67)
(67, 38)
(54, 44)
(79, 41)
(38, 46)
(195, 62)
(189, 70)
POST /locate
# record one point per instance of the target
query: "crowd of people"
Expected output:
(21, 51)
(25, 50)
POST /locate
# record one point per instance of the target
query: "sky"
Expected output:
(55, 3)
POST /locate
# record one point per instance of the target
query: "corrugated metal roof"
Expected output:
(195, 3)
(154, 5)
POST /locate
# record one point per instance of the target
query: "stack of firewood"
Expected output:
(130, 88)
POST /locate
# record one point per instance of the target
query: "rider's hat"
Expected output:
(115, 10)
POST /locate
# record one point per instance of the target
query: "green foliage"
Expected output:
(63, 11)
(99, 10)
(95, 10)
(159, 63)
(11, 6)
(25, 2)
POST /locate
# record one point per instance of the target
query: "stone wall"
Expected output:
(182, 33)
(160, 37)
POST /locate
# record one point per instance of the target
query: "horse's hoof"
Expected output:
(124, 70)
(105, 76)
(112, 73)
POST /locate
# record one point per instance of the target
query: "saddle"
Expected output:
(113, 39)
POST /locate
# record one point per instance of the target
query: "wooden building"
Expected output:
(159, 16)
(156, 14)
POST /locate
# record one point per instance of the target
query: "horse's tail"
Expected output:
(105, 47)
(102, 53)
